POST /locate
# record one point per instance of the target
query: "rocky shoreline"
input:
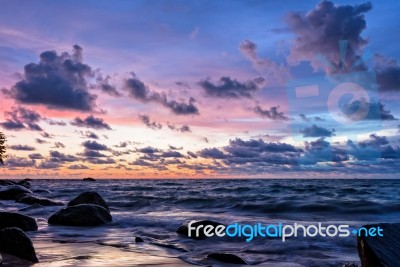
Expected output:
(89, 209)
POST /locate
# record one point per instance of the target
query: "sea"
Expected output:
(153, 209)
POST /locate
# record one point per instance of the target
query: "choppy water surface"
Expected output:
(154, 209)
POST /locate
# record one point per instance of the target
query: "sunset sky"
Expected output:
(186, 89)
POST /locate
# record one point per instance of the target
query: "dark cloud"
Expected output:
(92, 154)
(45, 135)
(22, 147)
(78, 167)
(91, 122)
(212, 153)
(318, 32)
(21, 118)
(56, 156)
(374, 141)
(373, 149)
(40, 141)
(59, 145)
(89, 134)
(152, 125)
(15, 162)
(316, 131)
(57, 81)
(321, 151)
(49, 165)
(138, 90)
(106, 87)
(101, 161)
(373, 111)
(123, 144)
(272, 113)
(172, 154)
(267, 67)
(182, 129)
(230, 88)
(192, 155)
(148, 150)
(93, 145)
(36, 156)
(387, 73)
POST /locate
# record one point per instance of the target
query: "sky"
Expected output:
(200, 89)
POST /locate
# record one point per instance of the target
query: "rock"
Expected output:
(138, 239)
(11, 219)
(227, 258)
(81, 215)
(41, 191)
(184, 230)
(6, 182)
(31, 199)
(15, 242)
(1, 260)
(13, 192)
(380, 250)
(89, 179)
(350, 265)
(25, 183)
(89, 198)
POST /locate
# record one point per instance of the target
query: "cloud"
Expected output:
(92, 154)
(49, 165)
(106, 87)
(138, 90)
(318, 32)
(22, 147)
(59, 145)
(374, 111)
(78, 167)
(91, 122)
(59, 157)
(269, 68)
(89, 134)
(152, 125)
(272, 113)
(149, 150)
(101, 161)
(183, 129)
(57, 81)
(36, 156)
(212, 153)
(316, 131)
(93, 145)
(16, 162)
(58, 123)
(307, 119)
(230, 88)
(45, 135)
(40, 141)
(387, 73)
(321, 151)
(21, 118)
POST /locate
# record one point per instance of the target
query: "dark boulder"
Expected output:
(31, 199)
(227, 258)
(375, 250)
(6, 182)
(89, 179)
(13, 192)
(15, 242)
(81, 215)
(184, 230)
(89, 198)
(25, 184)
(11, 219)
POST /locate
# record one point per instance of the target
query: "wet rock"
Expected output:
(350, 265)
(13, 192)
(380, 250)
(184, 230)
(6, 182)
(138, 239)
(89, 198)
(25, 183)
(11, 219)
(31, 199)
(15, 242)
(227, 258)
(41, 191)
(89, 179)
(81, 215)
(1, 260)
